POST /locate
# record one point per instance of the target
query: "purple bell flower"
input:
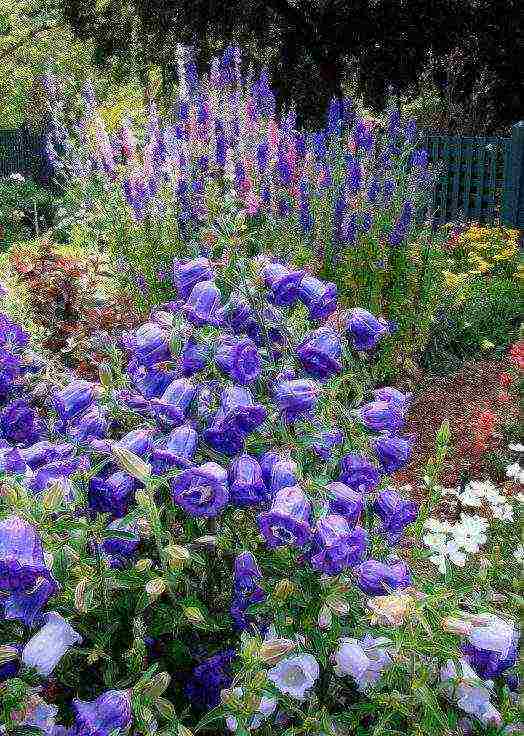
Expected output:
(364, 329)
(10, 667)
(11, 334)
(392, 451)
(202, 490)
(489, 664)
(188, 273)
(328, 441)
(27, 605)
(203, 304)
(239, 359)
(177, 451)
(239, 409)
(320, 353)
(90, 425)
(112, 495)
(246, 485)
(247, 591)
(150, 382)
(11, 461)
(267, 460)
(117, 549)
(378, 578)
(195, 357)
(47, 647)
(378, 416)
(73, 399)
(337, 547)
(237, 315)
(283, 282)
(395, 513)
(345, 501)
(393, 396)
(320, 297)
(287, 521)
(54, 471)
(19, 423)
(139, 441)
(21, 555)
(175, 401)
(45, 452)
(295, 397)
(109, 715)
(224, 438)
(208, 680)
(284, 474)
(358, 473)
(148, 343)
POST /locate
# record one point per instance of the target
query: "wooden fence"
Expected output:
(22, 151)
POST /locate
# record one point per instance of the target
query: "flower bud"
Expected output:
(157, 686)
(338, 606)
(325, 618)
(156, 587)
(206, 541)
(177, 556)
(143, 564)
(194, 615)
(456, 626)
(132, 464)
(283, 589)
(81, 597)
(165, 708)
(52, 496)
(389, 609)
(272, 650)
(104, 375)
(7, 654)
(183, 731)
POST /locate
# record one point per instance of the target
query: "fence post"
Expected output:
(513, 197)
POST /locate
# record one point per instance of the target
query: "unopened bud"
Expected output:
(144, 564)
(8, 654)
(183, 731)
(177, 556)
(156, 587)
(390, 609)
(94, 656)
(52, 496)
(325, 618)
(104, 375)
(229, 697)
(272, 650)
(81, 596)
(208, 540)
(165, 708)
(456, 626)
(338, 606)
(194, 615)
(283, 589)
(157, 686)
(132, 464)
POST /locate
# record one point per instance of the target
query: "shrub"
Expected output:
(25, 209)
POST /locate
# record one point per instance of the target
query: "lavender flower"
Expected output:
(377, 578)
(47, 647)
(239, 359)
(203, 304)
(287, 521)
(401, 227)
(208, 680)
(73, 399)
(319, 297)
(358, 473)
(392, 451)
(294, 676)
(378, 416)
(283, 282)
(109, 715)
(186, 274)
(19, 423)
(202, 490)
(345, 501)
(295, 397)
(363, 660)
(336, 546)
(364, 329)
(395, 513)
(320, 353)
(363, 136)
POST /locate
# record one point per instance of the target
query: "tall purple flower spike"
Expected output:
(188, 273)
(288, 520)
(109, 715)
(364, 329)
(203, 305)
(320, 297)
(320, 353)
(283, 283)
(246, 484)
(202, 490)
(336, 546)
(239, 359)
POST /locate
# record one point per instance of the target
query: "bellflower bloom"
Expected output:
(108, 715)
(283, 474)
(208, 680)
(239, 359)
(320, 297)
(358, 473)
(378, 416)
(202, 490)
(327, 442)
(363, 660)
(392, 396)
(27, 605)
(246, 485)
(21, 555)
(472, 696)
(283, 282)
(294, 676)
(295, 397)
(267, 460)
(175, 401)
(53, 471)
(47, 647)
(395, 513)
(239, 409)
(364, 329)
(247, 590)
(392, 451)
(345, 501)
(176, 452)
(73, 399)
(186, 274)
(117, 549)
(10, 667)
(320, 353)
(378, 578)
(489, 664)
(19, 423)
(203, 304)
(113, 494)
(150, 382)
(336, 546)
(148, 343)
(287, 521)
(195, 357)
(139, 441)
(92, 424)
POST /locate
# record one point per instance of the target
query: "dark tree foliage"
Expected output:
(307, 43)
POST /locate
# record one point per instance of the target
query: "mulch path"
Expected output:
(459, 398)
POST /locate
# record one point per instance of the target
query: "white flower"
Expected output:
(515, 472)
(516, 448)
(434, 525)
(518, 553)
(492, 633)
(295, 675)
(451, 552)
(17, 177)
(469, 533)
(504, 512)
(364, 660)
(47, 647)
(434, 541)
(470, 693)
(520, 497)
